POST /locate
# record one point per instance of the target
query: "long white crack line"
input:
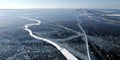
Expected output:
(65, 52)
(87, 46)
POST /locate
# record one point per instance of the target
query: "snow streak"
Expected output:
(65, 52)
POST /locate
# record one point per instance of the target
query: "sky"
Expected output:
(21, 4)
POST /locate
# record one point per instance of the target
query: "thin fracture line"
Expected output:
(87, 46)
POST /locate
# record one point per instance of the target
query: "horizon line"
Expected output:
(57, 8)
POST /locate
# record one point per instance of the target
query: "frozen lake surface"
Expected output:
(60, 34)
